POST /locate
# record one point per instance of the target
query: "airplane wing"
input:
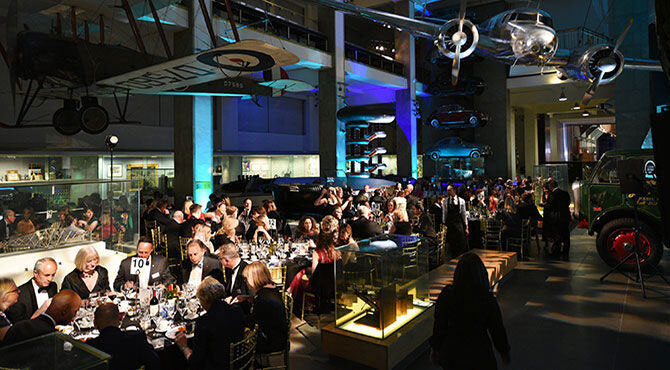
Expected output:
(229, 61)
(643, 64)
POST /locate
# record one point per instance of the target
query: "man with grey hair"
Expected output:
(35, 295)
(363, 227)
(222, 325)
(7, 224)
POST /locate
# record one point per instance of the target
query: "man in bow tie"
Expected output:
(198, 266)
(454, 217)
(35, 295)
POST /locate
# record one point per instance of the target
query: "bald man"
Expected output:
(61, 311)
(129, 349)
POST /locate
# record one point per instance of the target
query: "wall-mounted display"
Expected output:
(455, 116)
(455, 147)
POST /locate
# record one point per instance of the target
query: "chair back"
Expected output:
(148, 225)
(243, 353)
(278, 275)
(183, 243)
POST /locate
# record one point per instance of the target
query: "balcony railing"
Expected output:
(372, 59)
(246, 15)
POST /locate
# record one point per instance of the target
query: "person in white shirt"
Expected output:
(198, 266)
(35, 295)
(454, 217)
(157, 273)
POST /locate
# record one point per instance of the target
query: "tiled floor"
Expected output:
(559, 316)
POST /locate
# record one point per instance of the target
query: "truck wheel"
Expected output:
(435, 123)
(617, 233)
(435, 156)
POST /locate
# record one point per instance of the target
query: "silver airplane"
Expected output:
(522, 36)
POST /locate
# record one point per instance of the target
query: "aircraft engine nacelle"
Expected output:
(446, 42)
(591, 62)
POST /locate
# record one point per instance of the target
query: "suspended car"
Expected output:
(455, 147)
(455, 116)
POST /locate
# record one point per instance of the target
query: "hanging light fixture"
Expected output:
(562, 97)
(575, 107)
(586, 113)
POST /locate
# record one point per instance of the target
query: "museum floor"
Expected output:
(558, 316)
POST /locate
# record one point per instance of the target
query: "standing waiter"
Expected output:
(558, 204)
(455, 219)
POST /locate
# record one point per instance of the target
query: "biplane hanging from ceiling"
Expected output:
(54, 66)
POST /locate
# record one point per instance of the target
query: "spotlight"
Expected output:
(575, 107)
(111, 141)
(586, 113)
(562, 97)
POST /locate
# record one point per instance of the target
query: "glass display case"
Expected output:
(382, 285)
(54, 214)
(53, 351)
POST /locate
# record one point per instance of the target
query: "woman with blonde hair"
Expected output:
(9, 294)
(226, 234)
(267, 309)
(187, 209)
(27, 224)
(204, 234)
(401, 225)
(88, 277)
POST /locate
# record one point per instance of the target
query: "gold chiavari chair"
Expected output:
(243, 353)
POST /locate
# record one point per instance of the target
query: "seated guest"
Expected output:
(157, 274)
(9, 295)
(267, 309)
(344, 237)
(272, 212)
(90, 222)
(528, 210)
(107, 228)
(234, 266)
(222, 325)
(204, 234)
(363, 228)
(7, 224)
(88, 276)
(240, 229)
(245, 215)
(129, 349)
(61, 311)
(226, 234)
(307, 229)
(259, 229)
(435, 210)
(36, 293)
(195, 217)
(324, 253)
(424, 225)
(401, 224)
(510, 220)
(198, 266)
(27, 224)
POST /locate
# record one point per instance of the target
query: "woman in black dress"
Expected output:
(466, 314)
(267, 310)
(401, 225)
(88, 277)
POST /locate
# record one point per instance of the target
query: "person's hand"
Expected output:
(181, 340)
(42, 309)
(129, 285)
(434, 357)
(506, 358)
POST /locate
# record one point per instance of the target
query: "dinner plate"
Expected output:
(172, 334)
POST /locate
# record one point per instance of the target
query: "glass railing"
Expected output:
(44, 215)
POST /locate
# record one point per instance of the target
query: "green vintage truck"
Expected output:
(610, 213)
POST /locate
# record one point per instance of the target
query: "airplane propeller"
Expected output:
(605, 65)
(459, 39)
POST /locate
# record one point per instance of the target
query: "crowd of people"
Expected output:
(236, 294)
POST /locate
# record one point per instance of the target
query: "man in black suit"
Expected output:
(222, 325)
(186, 228)
(424, 225)
(235, 283)
(435, 211)
(158, 273)
(198, 266)
(36, 293)
(61, 311)
(558, 207)
(129, 349)
(7, 225)
(168, 225)
(363, 227)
